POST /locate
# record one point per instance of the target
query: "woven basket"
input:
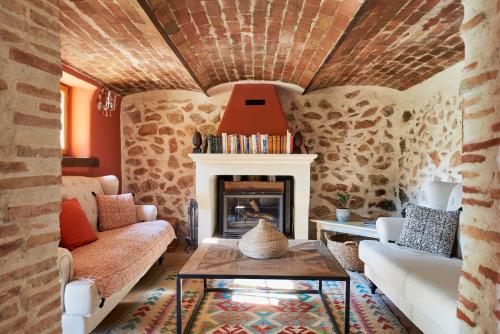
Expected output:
(263, 242)
(345, 248)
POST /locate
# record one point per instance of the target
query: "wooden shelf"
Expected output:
(263, 186)
(80, 162)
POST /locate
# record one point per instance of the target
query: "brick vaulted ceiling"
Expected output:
(397, 44)
(114, 42)
(139, 45)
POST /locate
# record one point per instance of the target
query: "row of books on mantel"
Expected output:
(255, 144)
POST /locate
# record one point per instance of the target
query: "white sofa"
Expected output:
(128, 252)
(422, 285)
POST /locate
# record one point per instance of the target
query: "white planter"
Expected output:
(343, 215)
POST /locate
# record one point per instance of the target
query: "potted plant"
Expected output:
(343, 212)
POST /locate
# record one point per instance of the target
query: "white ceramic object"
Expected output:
(343, 215)
(263, 242)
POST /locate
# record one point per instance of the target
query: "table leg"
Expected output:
(347, 306)
(196, 309)
(179, 304)
(318, 233)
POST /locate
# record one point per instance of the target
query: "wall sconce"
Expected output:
(106, 102)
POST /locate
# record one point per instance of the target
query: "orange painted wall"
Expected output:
(246, 120)
(92, 134)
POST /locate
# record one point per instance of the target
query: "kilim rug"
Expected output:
(261, 312)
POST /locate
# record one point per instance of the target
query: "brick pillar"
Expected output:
(30, 167)
(478, 307)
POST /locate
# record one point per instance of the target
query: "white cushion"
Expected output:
(455, 198)
(434, 293)
(81, 297)
(428, 283)
(437, 194)
(396, 263)
(109, 184)
(81, 188)
(146, 213)
(389, 228)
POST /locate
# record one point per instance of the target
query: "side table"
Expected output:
(356, 226)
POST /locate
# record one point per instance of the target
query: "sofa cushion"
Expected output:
(74, 225)
(81, 188)
(396, 263)
(426, 282)
(434, 293)
(122, 255)
(429, 230)
(115, 211)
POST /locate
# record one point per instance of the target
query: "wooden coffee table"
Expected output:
(221, 259)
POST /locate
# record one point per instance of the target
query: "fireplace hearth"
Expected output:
(242, 203)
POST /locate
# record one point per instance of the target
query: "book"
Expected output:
(224, 143)
(253, 144)
(209, 143)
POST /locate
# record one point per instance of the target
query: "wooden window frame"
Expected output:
(65, 113)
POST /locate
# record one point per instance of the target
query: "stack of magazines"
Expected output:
(255, 144)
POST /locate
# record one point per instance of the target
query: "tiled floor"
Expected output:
(175, 261)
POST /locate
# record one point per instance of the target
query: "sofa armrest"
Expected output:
(65, 265)
(389, 228)
(146, 213)
(81, 298)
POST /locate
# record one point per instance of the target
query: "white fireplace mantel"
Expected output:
(209, 166)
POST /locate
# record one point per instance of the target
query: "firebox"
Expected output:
(244, 202)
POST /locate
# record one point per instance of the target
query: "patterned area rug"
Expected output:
(259, 312)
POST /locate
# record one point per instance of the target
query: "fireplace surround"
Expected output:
(210, 166)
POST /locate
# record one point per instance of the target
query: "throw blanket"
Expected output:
(122, 255)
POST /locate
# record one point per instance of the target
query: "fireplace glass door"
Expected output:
(243, 211)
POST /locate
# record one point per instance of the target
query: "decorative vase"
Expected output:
(263, 242)
(343, 215)
(197, 141)
(298, 141)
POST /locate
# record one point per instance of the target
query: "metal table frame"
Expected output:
(206, 289)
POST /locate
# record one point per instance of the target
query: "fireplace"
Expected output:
(244, 202)
(209, 166)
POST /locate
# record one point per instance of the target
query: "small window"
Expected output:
(64, 117)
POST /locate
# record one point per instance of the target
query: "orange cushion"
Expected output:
(75, 227)
(115, 211)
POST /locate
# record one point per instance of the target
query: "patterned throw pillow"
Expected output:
(115, 211)
(429, 230)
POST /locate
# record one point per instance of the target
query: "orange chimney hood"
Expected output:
(253, 108)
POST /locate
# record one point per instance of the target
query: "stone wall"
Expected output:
(29, 166)
(157, 130)
(480, 88)
(354, 131)
(431, 134)
(369, 141)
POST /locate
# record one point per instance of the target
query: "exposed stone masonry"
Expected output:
(431, 138)
(479, 285)
(30, 167)
(157, 130)
(354, 132)
(359, 133)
